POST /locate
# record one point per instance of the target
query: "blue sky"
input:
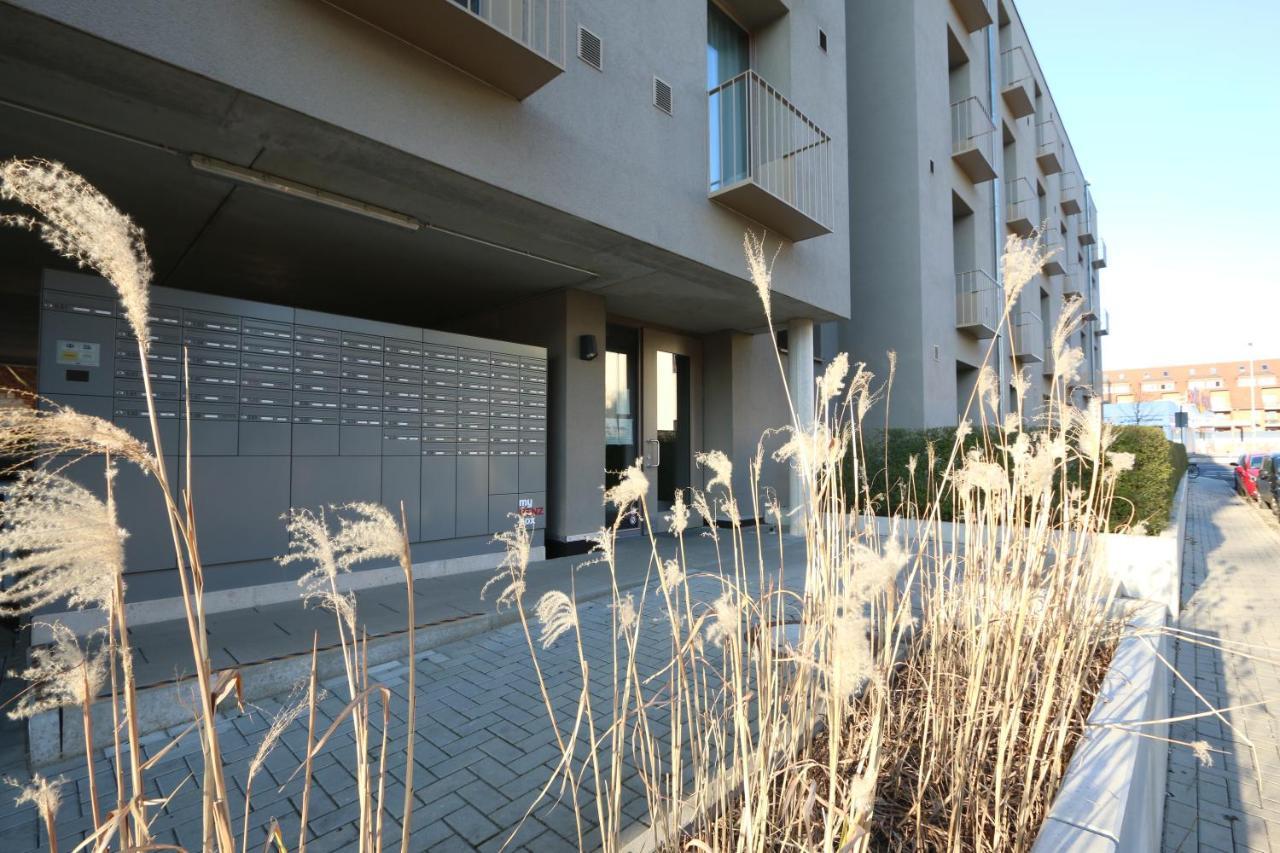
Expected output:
(1173, 108)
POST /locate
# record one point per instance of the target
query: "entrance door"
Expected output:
(652, 412)
(671, 416)
(621, 412)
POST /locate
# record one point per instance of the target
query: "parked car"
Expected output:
(1269, 484)
(1246, 471)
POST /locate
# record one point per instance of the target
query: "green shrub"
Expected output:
(1145, 493)
(891, 481)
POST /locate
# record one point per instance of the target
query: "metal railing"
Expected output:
(1048, 142)
(539, 25)
(1100, 254)
(758, 135)
(1029, 337)
(1014, 68)
(979, 304)
(971, 128)
(1023, 206)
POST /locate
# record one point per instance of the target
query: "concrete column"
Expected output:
(800, 379)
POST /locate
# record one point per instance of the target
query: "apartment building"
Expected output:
(1227, 399)
(475, 256)
(955, 142)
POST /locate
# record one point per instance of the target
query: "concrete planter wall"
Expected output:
(1112, 798)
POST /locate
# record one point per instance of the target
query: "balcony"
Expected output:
(1016, 83)
(1055, 262)
(769, 162)
(1072, 284)
(1022, 211)
(974, 14)
(1271, 402)
(979, 304)
(1099, 260)
(754, 14)
(973, 140)
(1069, 199)
(1089, 221)
(1028, 339)
(1104, 328)
(516, 46)
(1048, 147)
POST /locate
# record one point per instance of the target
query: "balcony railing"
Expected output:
(769, 162)
(1016, 83)
(1104, 328)
(1072, 280)
(1055, 261)
(1089, 220)
(1022, 207)
(973, 139)
(1028, 339)
(517, 46)
(974, 14)
(978, 304)
(1271, 402)
(1070, 193)
(1048, 147)
(1099, 255)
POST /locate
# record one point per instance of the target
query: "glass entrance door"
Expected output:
(674, 426)
(621, 412)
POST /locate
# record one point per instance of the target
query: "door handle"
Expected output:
(654, 459)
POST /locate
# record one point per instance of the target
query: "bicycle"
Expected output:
(1193, 470)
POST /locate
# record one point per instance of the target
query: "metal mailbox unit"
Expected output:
(296, 408)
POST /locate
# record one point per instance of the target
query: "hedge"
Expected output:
(1143, 494)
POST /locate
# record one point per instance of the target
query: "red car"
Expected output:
(1246, 470)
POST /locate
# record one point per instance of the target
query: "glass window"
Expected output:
(728, 56)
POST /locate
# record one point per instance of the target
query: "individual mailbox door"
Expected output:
(214, 429)
(312, 383)
(201, 321)
(504, 468)
(77, 352)
(473, 491)
(266, 363)
(439, 492)
(533, 468)
(402, 483)
(265, 431)
(503, 512)
(402, 442)
(270, 329)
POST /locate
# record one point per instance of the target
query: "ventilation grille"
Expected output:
(662, 95)
(590, 48)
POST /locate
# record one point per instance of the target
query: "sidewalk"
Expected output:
(1230, 592)
(484, 746)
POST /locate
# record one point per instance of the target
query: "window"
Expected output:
(1213, 370)
(1191, 371)
(822, 41)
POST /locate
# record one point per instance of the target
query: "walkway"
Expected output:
(1231, 592)
(483, 749)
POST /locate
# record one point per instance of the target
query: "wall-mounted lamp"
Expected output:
(587, 347)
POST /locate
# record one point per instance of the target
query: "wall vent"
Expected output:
(662, 95)
(590, 48)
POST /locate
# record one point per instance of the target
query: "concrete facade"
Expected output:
(434, 198)
(933, 198)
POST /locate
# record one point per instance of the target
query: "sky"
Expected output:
(1173, 109)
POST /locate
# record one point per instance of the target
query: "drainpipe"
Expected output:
(997, 209)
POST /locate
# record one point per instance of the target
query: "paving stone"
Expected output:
(1228, 594)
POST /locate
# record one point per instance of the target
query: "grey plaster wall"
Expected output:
(590, 143)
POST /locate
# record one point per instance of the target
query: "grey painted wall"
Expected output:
(590, 143)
